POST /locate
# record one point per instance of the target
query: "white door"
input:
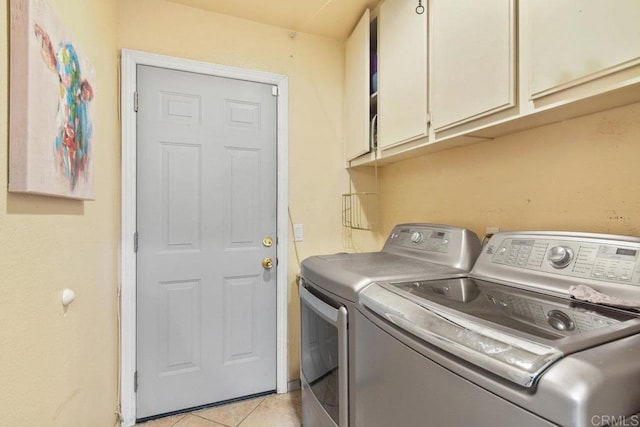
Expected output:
(206, 206)
(357, 97)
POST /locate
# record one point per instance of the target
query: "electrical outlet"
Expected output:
(492, 230)
(298, 232)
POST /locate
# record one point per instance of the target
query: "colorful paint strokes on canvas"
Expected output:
(51, 106)
(74, 130)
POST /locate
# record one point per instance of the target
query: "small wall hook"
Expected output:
(67, 297)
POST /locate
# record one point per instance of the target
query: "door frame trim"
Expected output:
(130, 59)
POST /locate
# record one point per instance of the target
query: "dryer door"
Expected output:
(323, 360)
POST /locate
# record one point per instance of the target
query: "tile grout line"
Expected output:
(223, 424)
(252, 411)
(179, 419)
(207, 419)
(263, 399)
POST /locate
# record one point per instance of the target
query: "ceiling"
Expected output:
(330, 18)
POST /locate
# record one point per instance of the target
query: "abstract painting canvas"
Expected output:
(52, 98)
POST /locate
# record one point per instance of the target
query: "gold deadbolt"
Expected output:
(267, 241)
(267, 263)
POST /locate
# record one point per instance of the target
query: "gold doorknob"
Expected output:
(267, 241)
(267, 263)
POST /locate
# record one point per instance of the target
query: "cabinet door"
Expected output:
(356, 103)
(402, 73)
(473, 59)
(575, 41)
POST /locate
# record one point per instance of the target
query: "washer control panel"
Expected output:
(582, 259)
(422, 238)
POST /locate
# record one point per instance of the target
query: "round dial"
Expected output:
(417, 237)
(560, 256)
(560, 321)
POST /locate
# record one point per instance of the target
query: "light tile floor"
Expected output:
(276, 410)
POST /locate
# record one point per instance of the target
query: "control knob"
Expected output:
(560, 321)
(417, 237)
(560, 256)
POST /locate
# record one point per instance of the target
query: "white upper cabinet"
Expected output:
(474, 70)
(357, 99)
(576, 42)
(473, 60)
(402, 73)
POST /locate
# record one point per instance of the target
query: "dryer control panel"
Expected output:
(588, 258)
(421, 238)
(447, 245)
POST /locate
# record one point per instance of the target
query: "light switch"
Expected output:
(298, 232)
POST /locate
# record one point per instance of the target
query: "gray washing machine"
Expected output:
(510, 345)
(328, 291)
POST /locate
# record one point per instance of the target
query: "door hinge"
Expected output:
(135, 381)
(135, 242)
(135, 101)
(274, 90)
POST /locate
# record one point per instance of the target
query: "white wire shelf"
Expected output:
(359, 211)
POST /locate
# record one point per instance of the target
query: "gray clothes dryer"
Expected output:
(329, 288)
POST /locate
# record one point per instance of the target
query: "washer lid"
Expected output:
(514, 333)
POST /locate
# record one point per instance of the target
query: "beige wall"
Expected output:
(61, 369)
(581, 174)
(314, 66)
